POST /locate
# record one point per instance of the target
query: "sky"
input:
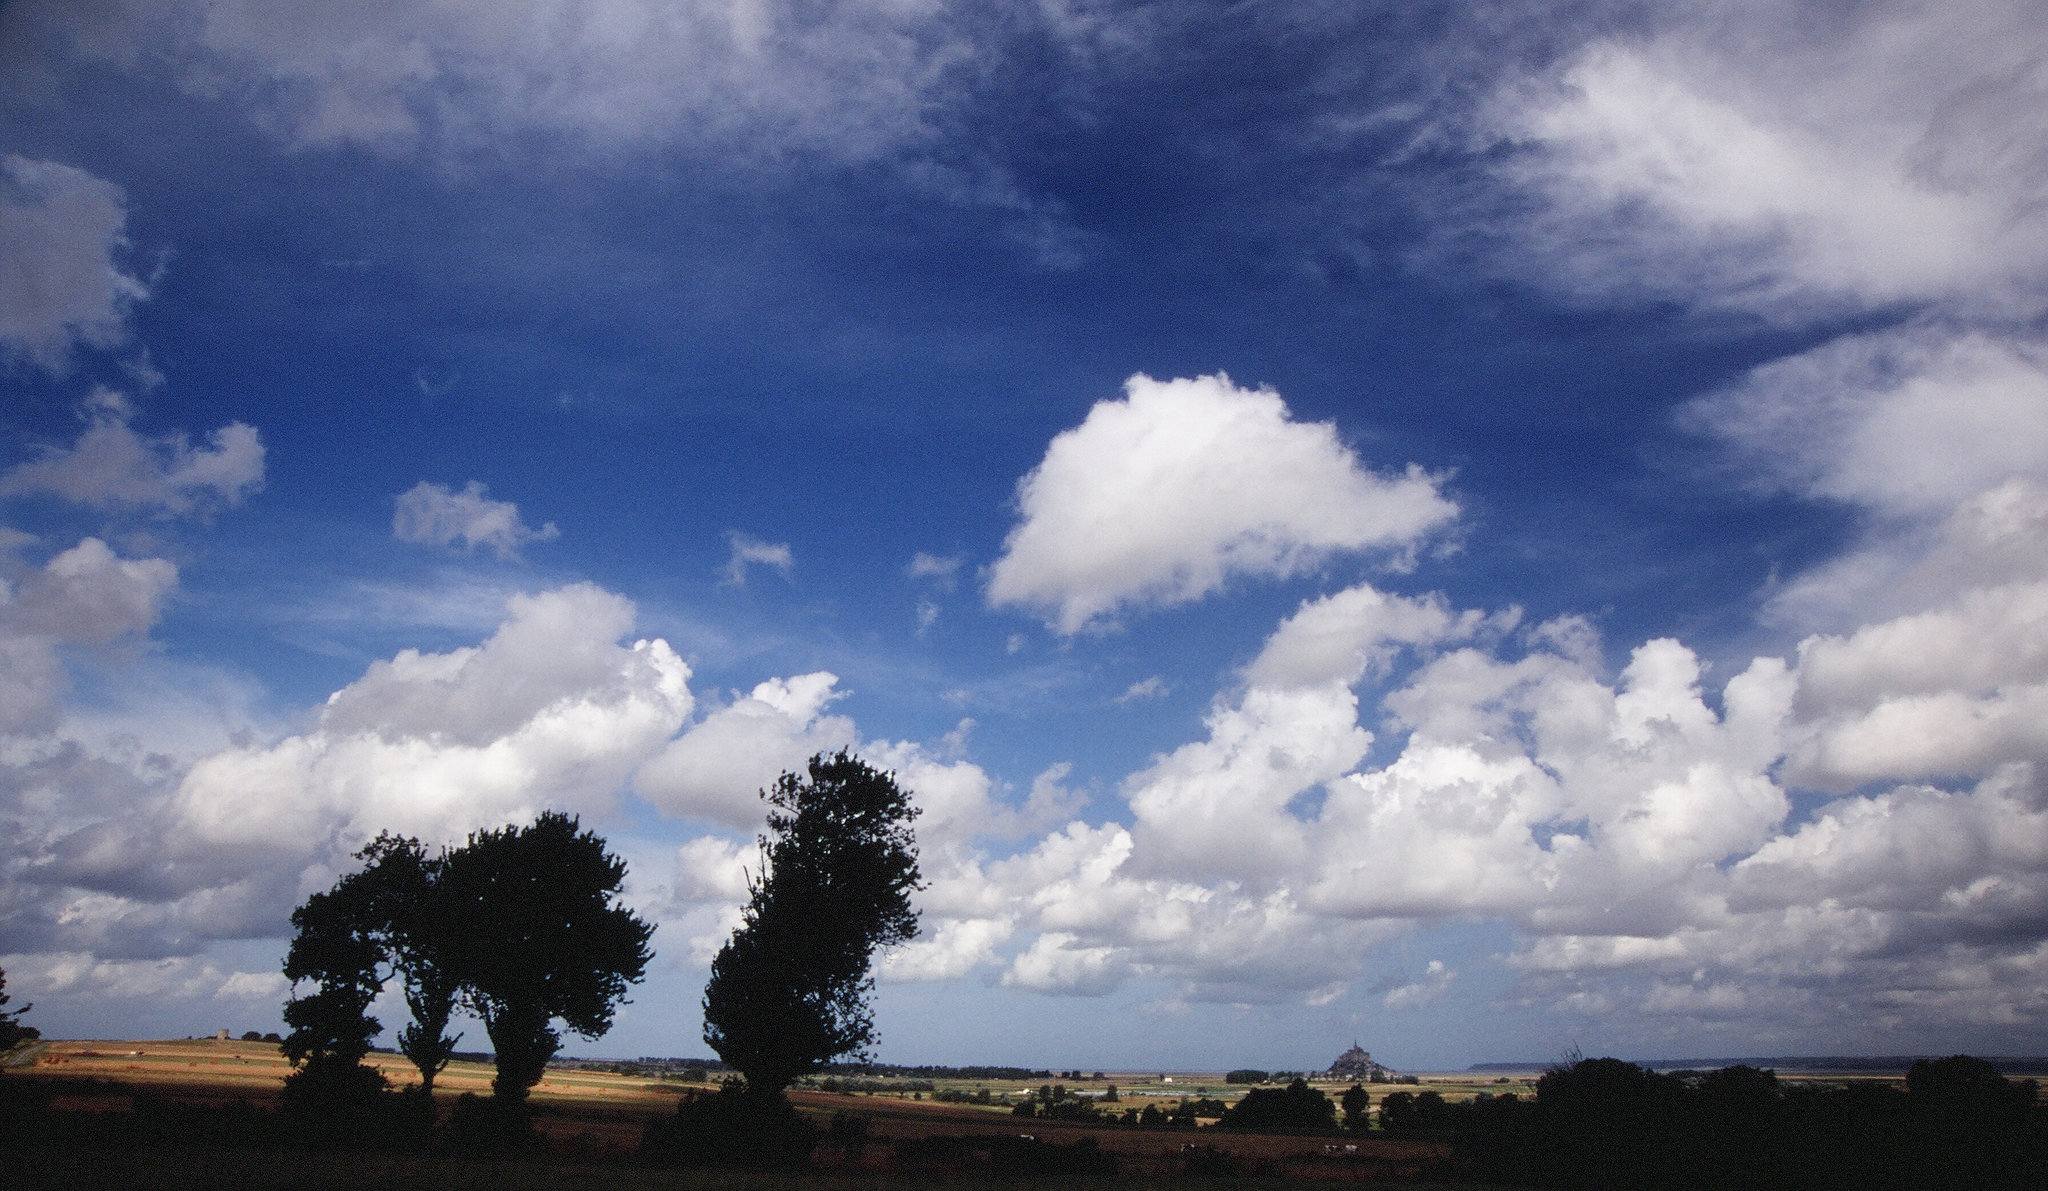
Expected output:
(1482, 530)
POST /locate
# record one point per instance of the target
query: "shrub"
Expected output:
(735, 1127)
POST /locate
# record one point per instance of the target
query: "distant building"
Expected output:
(1358, 1066)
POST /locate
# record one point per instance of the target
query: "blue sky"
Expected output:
(1477, 529)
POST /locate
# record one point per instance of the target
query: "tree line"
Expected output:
(522, 927)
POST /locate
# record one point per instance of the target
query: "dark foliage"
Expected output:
(1245, 1075)
(1017, 1155)
(1602, 1123)
(789, 991)
(337, 950)
(1296, 1108)
(535, 933)
(736, 1126)
(12, 1031)
(1357, 1106)
(412, 918)
(491, 1125)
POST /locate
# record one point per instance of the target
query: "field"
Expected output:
(599, 1116)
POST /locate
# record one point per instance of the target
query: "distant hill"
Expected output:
(2010, 1066)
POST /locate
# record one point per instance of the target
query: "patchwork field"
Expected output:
(602, 1114)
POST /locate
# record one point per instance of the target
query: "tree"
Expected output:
(412, 920)
(789, 991)
(336, 948)
(534, 933)
(1296, 1107)
(1357, 1105)
(12, 1032)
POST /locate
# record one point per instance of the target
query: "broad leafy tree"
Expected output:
(1357, 1105)
(536, 934)
(789, 991)
(1296, 1106)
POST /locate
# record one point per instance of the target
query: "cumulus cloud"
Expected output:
(748, 550)
(86, 595)
(111, 465)
(431, 515)
(1160, 498)
(717, 769)
(60, 229)
(126, 852)
(551, 711)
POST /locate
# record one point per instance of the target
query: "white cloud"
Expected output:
(711, 869)
(771, 80)
(1738, 157)
(1435, 982)
(432, 515)
(1158, 499)
(59, 284)
(1345, 636)
(80, 974)
(946, 950)
(1145, 688)
(89, 595)
(1907, 422)
(551, 712)
(751, 551)
(1054, 964)
(943, 570)
(1219, 807)
(86, 595)
(112, 465)
(717, 769)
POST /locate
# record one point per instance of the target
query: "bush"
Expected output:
(735, 1127)
(492, 1125)
(1245, 1075)
(1296, 1108)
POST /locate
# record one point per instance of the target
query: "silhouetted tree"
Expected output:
(536, 935)
(1357, 1103)
(412, 919)
(337, 949)
(1294, 1107)
(12, 1032)
(789, 991)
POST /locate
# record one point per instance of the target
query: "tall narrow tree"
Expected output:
(789, 991)
(336, 948)
(410, 910)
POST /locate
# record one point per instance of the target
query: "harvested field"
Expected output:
(601, 1116)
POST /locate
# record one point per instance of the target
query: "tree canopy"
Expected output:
(789, 991)
(520, 925)
(408, 904)
(1295, 1107)
(535, 933)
